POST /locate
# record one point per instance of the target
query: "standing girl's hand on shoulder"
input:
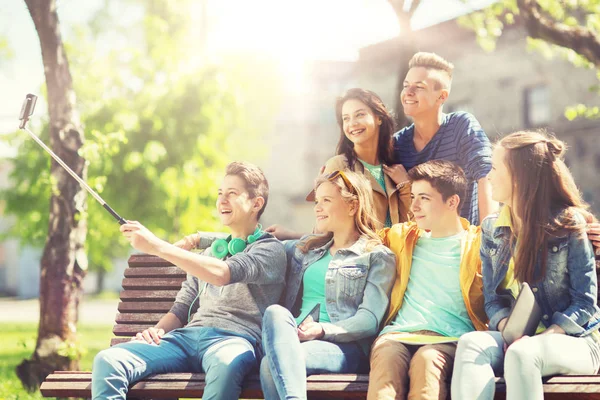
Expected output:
(396, 172)
(188, 242)
(282, 233)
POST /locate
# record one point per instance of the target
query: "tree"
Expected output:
(567, 29)
(161, 125)
(404, 10)
(64, 261)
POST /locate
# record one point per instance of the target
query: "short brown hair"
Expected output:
(432, 61)
(444, 176)
(254, 179)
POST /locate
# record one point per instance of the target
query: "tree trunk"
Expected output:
(64, 261)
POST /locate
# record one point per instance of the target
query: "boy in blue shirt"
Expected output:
(434, 135)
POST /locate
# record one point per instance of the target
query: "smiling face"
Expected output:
(430, 210)
(234, 205)
(360, 124)
(423, 91)
(333, 213)
(500, 178)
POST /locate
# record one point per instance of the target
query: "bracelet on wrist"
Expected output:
(402, 184)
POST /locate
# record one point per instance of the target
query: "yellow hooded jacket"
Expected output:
(402, 239)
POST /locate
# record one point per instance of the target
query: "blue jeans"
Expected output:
(480, 356)
(223, 356)
(287, 362)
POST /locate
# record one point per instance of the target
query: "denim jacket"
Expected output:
(567, 294)
(357, 288)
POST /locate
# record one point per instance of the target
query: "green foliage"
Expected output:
(28, 199)
(581, 110)
(161, 123)
(72, 350)
(551, 51)
(489, 24)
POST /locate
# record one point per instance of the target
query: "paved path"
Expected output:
(91, 312)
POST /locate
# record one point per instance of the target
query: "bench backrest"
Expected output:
(149, 289)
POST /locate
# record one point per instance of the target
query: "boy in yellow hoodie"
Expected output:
(437, 295)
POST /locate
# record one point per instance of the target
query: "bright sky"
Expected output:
(293, 31)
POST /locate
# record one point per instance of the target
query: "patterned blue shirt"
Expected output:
(461, 140)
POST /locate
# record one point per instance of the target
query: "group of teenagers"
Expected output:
(409, 274)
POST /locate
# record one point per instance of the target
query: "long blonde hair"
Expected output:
(544, 197)
(358, 189)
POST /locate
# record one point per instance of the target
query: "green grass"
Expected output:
(18, 342)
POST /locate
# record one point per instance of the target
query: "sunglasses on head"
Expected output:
(330, 177)
(335, 174)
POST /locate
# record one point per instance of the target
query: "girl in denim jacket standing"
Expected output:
(538, 237)
(348, 272)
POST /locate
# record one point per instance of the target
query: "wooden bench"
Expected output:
(149, 289)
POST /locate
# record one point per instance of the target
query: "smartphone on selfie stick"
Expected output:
(26, 112)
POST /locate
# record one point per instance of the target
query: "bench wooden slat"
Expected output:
(192, 385)
(83, 375)
(152, 283)
(138, 317)
(129, 330)
(156, 295)
(144, 306)
(147, 261)
(155, 272)
(568, 388)
(568, 379)
(66, 389)
(87, 376)
(338, 378)
(69, 376)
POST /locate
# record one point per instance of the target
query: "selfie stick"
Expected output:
(26, 112)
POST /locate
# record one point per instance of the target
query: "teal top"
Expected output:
(433, 299)
(314, 288)
(379, 175)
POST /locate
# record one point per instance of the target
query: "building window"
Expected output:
(537, 106)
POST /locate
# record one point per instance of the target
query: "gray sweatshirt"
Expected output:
(257, 281)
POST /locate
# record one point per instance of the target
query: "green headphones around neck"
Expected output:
(222, 247)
